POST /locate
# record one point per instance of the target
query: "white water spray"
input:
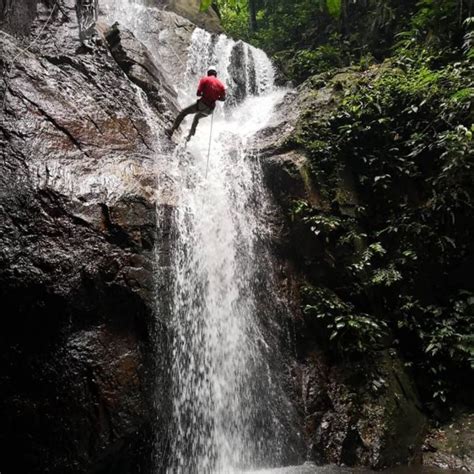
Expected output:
(227, 407)
(223, 423)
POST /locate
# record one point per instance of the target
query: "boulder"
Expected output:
(358, 415)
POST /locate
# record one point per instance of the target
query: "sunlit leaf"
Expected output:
(205, 4)
(334, 7)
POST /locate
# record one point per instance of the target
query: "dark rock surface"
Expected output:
(79, 364)
(17, 16)
(451, 446)
(359, 420)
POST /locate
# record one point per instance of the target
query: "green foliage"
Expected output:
(316, 35)
(205, 4)
(307, 62)
(407, 138)
(445, 335)
(334, 7)
(468, 44)
(347, 331)
(235, 18)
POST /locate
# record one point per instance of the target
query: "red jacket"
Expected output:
(211, 90)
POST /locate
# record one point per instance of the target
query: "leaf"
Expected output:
(205, 4)
(334, 7)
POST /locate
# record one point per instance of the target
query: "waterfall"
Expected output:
(229, 411)
(223, 386)
(245, 70)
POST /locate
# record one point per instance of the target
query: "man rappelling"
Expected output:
(210, 90)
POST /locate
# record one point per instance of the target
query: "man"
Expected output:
(210, 90)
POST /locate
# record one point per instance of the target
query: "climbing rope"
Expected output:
(8, 68)
(210, 141)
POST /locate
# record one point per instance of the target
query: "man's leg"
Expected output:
(192, 109)
(197, 117)
(203, 111)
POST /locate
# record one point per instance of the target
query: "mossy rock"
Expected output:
(360, 414)
(452, 445)
(391, 422)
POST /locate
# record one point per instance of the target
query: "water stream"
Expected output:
(224, 390)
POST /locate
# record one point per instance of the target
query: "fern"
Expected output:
(468, 45)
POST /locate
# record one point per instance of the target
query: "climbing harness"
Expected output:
(210, 141)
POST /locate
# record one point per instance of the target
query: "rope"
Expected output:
(23, 51)
(210, 141)
(176, 54)
(37, 37)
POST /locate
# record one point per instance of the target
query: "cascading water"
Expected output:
(228, 411)
(223, 389)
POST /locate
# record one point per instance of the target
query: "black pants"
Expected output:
(200, 109)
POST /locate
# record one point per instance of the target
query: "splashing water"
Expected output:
(223, 387)
(228, 410)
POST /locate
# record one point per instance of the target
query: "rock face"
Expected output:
(165, 35)
(190, 9)
(80, 372)
(452, 446)
(17, 18)
(356, 412)
(356, 420)
(135, 60)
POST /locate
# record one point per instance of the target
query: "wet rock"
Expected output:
(238, 85)
(360, 414)
(16, 18)
(78, 199)
(166, 35)
(287, 175)
(190, 9)
(134, 58)
(451, 446)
